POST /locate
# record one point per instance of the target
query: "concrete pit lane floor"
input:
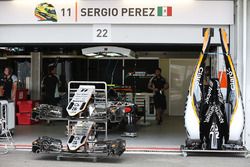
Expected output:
(171, 134)
(28, 159)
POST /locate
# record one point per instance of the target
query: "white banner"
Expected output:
(116, 12)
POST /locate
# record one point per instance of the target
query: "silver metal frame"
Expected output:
(6, 136)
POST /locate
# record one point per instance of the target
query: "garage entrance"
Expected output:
(177, 67)
(162, 34)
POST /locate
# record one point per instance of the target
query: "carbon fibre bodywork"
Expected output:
(212, 121)
(46, 144)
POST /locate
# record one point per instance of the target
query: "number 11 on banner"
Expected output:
(102, 33)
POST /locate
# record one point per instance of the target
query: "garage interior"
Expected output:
(176, 61)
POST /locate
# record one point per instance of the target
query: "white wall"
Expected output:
(174, 34)
(188, 12)
(247, 91)
(180, 73)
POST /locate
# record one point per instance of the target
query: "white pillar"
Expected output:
(236, 36)
(246, 67)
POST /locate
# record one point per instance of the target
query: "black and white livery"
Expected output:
(214, 125)
(211, 121)
(82, 132)
(80, 100)
(82, 127)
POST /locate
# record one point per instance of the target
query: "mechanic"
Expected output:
(50, 86)
(8, 84)
(158, 85)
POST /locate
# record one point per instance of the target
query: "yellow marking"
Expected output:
(205, 42)
(232, 67)
(192, 86)
(225, 42)
(236, 88)
(206, 38)
(196, 71)
(224, 39)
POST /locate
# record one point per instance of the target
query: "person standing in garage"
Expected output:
(158, 85)
(50, 86)
(9, 84)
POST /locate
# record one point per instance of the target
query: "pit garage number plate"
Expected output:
(102, 33)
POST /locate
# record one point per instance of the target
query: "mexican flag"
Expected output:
(164, 11)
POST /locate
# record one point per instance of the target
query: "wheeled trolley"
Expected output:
(185, 151)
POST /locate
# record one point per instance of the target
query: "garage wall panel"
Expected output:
(247, 86)
(174, 34)
(180, 72)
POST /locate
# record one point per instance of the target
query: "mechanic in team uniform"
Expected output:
(50, 86)
(8, 84)
(158, 85)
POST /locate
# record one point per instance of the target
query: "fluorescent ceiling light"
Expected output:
(112, 54)
(107, 51)
(90, 54)
(99, 56)
(3, 48)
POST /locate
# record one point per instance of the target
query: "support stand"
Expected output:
(144, 122)
(6, 142)
(185, 152)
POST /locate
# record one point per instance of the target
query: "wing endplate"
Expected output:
(195, 96)
(237, 119)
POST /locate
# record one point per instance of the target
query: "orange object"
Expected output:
(123, 89)
(223, 79)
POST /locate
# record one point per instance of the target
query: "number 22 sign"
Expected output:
(102, 33)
